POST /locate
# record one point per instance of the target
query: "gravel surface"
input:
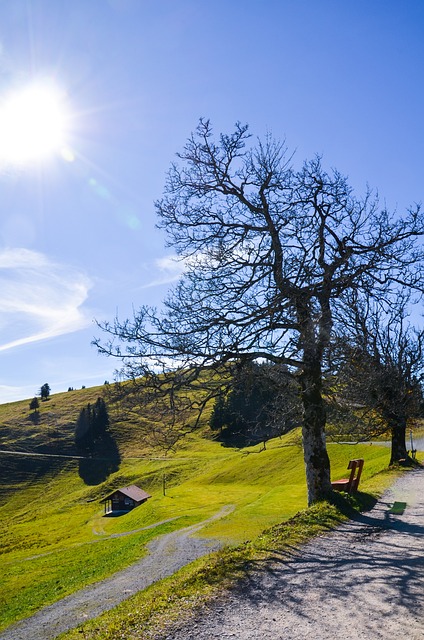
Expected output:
(364, 580)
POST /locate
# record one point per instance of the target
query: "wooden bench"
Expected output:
(350, 484)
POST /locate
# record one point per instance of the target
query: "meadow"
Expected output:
(55, 538)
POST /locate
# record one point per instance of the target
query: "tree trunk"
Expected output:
(315, 454)
(399, 452)
(317, 463)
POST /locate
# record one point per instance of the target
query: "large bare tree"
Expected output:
(269, 254)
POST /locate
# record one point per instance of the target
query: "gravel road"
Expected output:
(364, 580)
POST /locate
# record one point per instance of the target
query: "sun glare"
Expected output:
(32, 124)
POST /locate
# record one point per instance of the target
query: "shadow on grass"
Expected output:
(352, 506)
(34, 417)
(17, 471)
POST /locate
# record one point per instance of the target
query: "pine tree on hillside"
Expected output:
(34, 405)
(263, 403)
(45, 391)
(92, 425)
(83, 432)
(99, 419)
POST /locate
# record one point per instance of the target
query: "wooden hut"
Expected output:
(125, 499)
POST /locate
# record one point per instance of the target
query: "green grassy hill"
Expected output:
(54, 537)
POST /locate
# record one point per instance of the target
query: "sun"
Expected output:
(33, 124)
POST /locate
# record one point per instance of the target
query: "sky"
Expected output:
(96, 98)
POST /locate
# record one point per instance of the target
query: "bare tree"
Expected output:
(269, 254)
(380, 368)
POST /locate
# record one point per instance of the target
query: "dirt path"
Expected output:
(167, 554)
(364, 581)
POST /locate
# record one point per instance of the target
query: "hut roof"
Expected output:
(132, 491)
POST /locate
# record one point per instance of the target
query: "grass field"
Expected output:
(54, 537)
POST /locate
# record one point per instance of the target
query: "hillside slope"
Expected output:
(54, 537)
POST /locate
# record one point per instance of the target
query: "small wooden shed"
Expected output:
(125, 499)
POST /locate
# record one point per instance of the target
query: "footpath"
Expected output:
(365, 580)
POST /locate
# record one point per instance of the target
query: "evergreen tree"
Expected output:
(83, 431)
(99, 419)
(92, 425)
(263, 403)
(45, 391)
(34, 404)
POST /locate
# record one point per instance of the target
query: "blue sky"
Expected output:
(77, 227)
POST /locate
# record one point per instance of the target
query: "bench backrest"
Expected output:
(355, 474)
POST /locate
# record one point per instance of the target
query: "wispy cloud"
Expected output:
(168, 269)
(40, 299)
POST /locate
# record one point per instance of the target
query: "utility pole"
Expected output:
(164, 484)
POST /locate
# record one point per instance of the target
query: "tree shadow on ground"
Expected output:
(353, 506)
(349, 565)
(16, 470)
(364, 578)
(34, 417)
